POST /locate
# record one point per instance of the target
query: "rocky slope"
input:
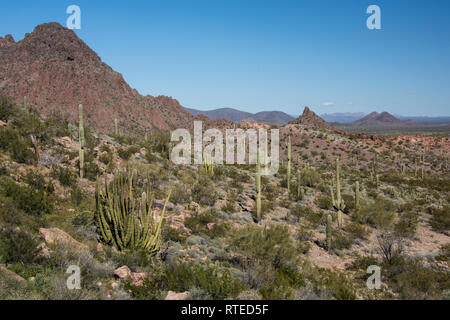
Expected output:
(56, 70)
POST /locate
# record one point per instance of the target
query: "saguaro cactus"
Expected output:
(123, 221)
(258, 190)
(357, 204)
(116, 128)
(329, 228)
(338, 202)
(81, 139)
(300, 193)
(289, 164)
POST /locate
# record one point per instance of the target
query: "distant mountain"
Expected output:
(431, 120)
(381, 119)
(234, 115)
(312, 120)
(343, 117)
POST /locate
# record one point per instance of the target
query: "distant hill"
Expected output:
(380, 119)
(234, 115)
(431, 120)
(343, 117)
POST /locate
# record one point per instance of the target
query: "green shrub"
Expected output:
(6, 108)
(440, 220)
(125, 154)
(65, 176)
(219, 284)
(18, 246)
(32, 202)
(206, 223)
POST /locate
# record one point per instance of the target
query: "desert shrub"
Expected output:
(64, 175)
(91, 170)
(310, 177)
(407, 224)
(6, 108)
(219, 284)
(206, 223)
(313, 217)
(380, 214)
(390, 247)
(180, 194)
(18, 147)
(357, 230)
(440, 220)
(18, 246)
(172, 234)
(32, 202)
(412, 280)
(125, 154)
(203, 192)
(324, 202)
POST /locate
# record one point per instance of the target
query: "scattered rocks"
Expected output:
(124, 273)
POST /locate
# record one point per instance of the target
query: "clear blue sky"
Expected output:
(267, 55)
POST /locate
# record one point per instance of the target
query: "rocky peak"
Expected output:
(312, 120)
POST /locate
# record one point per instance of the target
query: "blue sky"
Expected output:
(267, 55)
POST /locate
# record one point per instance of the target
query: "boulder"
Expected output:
(177, 296)
(57, 236)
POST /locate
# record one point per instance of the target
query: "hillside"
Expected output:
(381, 119)
(215, 244)
(51, 69)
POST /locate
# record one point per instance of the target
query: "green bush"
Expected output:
(18, 246)
(440, 220)
(219, 284)
(206, 223)
(6, 108)
(65, 176)
(32, 202)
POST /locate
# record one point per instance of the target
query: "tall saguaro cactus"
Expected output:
(300, 193)
(289, 164)
(81, 139)
(338, 202)
(258, 190)
(357, 204)
(328, 231)
(125, 222)
(116, 128)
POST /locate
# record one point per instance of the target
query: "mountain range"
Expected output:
(234, 115)
(349, 117)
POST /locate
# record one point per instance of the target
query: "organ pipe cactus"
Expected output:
(125, 222)
(300, 193)
(338, 202)
(81, 139)
(116, 128)
(208, 165)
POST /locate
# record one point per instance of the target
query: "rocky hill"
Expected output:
(380, 119)
(55, 70)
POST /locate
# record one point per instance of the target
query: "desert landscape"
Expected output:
(86, 179)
